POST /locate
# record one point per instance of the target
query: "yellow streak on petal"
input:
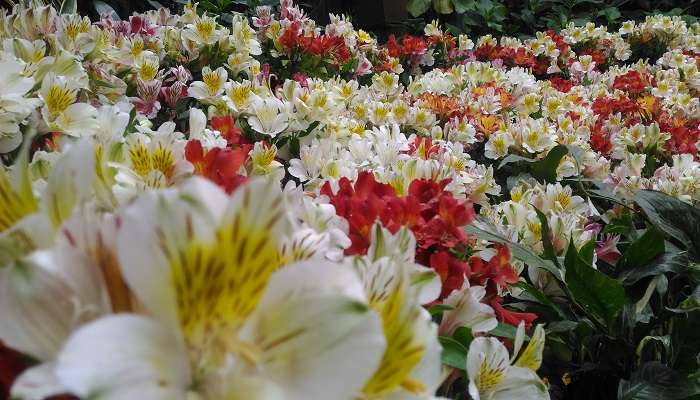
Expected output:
(219, 283)
(13, 205)
(403, 350)
(489, 377)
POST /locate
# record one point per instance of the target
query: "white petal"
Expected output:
(162, 221)
(124, 357)
(70, 181)
(322, 337)
(44, 297)
(38, 383)
(489, 351)
(521, 383)
(198, 121)
(468, 311)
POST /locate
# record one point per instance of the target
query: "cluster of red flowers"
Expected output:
(683, 138)
(561, 84)
(434, 216)
(332, 48)
(220, 165)
(632, 82)
(509, 56)
(410, 46)
(437, 221)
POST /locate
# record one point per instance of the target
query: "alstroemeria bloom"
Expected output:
(220, 165)
(268, 116)
(61, 112)
(211, 86)
(396, 287)
(468, 311)
(225, 318)
(492, 377)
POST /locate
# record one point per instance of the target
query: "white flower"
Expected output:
(203, 31)
(268, 116)
(222, 312)
(199, 131)
(492, 377)
(467, 311)
(211, 86)
(61, 112)
(498, 145)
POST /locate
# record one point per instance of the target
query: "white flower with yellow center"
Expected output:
(155, 160)
(268, 116)
(211, 86)
(468, 310)
(498, 145)
(203, 30)
(225, 318)
(239, 96)
(61, 112)
(397, 287)
(491, 375)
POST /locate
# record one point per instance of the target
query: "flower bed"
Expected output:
(265, 208)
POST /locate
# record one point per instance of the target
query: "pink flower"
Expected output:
(606, 249)
(263, 17)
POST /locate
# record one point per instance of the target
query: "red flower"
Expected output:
(11, 365)
(562, 85)
(683, 140)
(632, 82)
(413, 45)
(424, 147)
(497, 270)
(225, 126)
(218, 165)
(393, 47)
(451, 270)
(511, 317)
(361, 205)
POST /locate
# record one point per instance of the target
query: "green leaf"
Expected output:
(310, 129)
(672, 260)
(547, 168)
(454, 353)
(103, 8)
(592, 289)
(650, 163)
(438, 309)
(611, 14)
(418, 7)
(673, 217)
(294, 146)
(443, 6)
(642, 250)
(462, 6)
(69, 7)
(549, 252)
(505, 331)
(536, 295)
(132, 122)
(654, 380)
(464, 336)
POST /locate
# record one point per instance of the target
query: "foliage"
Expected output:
(524, 18)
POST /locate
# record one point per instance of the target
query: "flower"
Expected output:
(268, 116)
(491, 375)
(299, 330)
(220, 165)
(61, 112)
(211, 86)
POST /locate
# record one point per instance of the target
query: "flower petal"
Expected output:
(124, 357)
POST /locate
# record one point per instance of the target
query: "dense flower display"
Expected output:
(269, 209)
